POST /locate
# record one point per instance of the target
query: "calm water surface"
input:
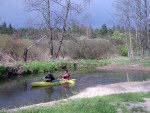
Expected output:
(18, 92)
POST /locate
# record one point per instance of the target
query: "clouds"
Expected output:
(13, 11)
(100, 11)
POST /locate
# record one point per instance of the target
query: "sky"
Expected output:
(99, 11)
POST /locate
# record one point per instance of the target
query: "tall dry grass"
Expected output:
(88, 49)
(13, 47)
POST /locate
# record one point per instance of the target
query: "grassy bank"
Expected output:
(2, 70)
(105, 104)
(104, 62)
(119, 60)
(35, 67)
(44, 66)
(143, 62)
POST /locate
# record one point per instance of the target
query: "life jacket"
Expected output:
(67, 76)
(50, 76)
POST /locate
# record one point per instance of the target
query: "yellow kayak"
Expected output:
(43, 83)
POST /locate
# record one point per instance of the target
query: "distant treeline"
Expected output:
(4, 29)
(81, 42)
(75, 31)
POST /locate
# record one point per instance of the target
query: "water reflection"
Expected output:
(136, 77)
(65, 90)
(18, 92)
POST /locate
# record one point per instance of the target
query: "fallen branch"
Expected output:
(25, 54)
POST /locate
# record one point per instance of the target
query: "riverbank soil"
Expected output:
(124, 67)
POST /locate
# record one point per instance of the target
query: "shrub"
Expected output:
(13, 46)
(2, 70)
(123, 51)
(118, 37)
(84, 48)
(88, 49)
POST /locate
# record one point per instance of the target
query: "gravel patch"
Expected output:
(125, 87)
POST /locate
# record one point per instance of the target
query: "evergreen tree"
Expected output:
(10, 29)
(4, 29)
(95, 33)
(103, 30)
(78, 30)
(110, 32)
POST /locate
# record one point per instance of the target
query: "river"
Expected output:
(17, 92)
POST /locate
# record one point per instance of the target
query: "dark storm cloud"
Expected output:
(13, 11)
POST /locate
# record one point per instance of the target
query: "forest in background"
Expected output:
(82, 43)
(67, 39)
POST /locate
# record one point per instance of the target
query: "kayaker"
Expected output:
(49, 77)
(66, 76)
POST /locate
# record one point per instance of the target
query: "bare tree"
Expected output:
(26, 50)
(138, 21)
(135, 16)
(142, 25)
(43, 7)
(146, 14)
(56, 14)
(124, 8)
(67, 9)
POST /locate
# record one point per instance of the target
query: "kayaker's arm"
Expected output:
(61, 78)
(45, 79)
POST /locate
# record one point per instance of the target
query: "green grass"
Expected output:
(2, 70)
(141, 61)
(120, 60)
(37, 66)
(77, 106)
(105, 104)
(45, 66)
(94, 63)
(127, 97)
(104, 62)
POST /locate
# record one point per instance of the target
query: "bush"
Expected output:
(2, 70)
(83, 48)
(123, 51)
(118, 38)
(88, 49)
(13, 46)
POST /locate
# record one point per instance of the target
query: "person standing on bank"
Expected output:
(49, 77)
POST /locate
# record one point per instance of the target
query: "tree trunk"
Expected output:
(64, 28)
(50, 29)
(130, 43)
